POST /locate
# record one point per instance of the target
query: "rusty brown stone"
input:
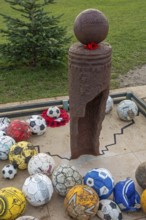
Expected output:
(89, 78)
(91, 25)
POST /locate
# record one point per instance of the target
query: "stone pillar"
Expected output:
(89, 79)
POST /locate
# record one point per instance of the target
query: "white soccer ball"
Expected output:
(108, 209)
(9, 171)
(41, 163)
(5, 143)
(27, 218)
(38, 189)
(2, 133)
(127, 110)
(109, 104)
(53, 112)
(4, 123)
(64, 178)
(37, 124)
(101, 181)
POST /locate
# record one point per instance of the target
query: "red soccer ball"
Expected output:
(19, 130)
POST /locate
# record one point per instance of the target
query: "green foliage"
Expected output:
(127, 36)
(35, 38)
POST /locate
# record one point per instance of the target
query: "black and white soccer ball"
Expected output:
(38, 189)
(127, 110)
(4, 123)
(64, 177)
(9, 171)
(37, 124)
(53, 112)
(2, 133)
(109, 210)
(109, 104)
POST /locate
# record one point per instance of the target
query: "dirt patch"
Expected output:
(136, 77)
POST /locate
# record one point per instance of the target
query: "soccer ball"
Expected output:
(37, 124)
(81, 202)
(41, 163)
(19, 130)
(127, 110)
(38, 189)
(140, 175)
(108, 209)
(27, 218)
(12, 203)
(143, 200)
(101, 181)
(5, 143)
(65, 177)
(125, 195)
(9, 171)
(53, 112)
(2, 133)
(20, 154)
(109, 104)
(4, 122)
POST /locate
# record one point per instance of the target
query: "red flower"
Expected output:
(91, 46)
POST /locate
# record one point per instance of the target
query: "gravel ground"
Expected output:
(134, 77)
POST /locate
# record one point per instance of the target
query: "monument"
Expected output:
(89, 64)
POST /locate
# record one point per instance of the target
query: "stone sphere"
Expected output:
(140, 175)
(91, 26)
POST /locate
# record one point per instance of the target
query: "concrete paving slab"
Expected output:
(121, 159)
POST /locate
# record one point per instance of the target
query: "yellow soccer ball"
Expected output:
(20, 154)
(81, 202)
(12, 203)
(143, 200)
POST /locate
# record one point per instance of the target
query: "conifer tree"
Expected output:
(33, 36)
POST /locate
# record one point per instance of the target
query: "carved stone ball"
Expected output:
(90, 26)
(140, 175)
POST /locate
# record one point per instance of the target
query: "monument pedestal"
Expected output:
(89, 79)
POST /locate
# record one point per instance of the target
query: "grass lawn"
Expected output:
(127, 35)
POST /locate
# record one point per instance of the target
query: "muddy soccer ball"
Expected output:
(127, 110)
(53, 112)
(4, 123)
(5, 143)
(9, 171)
(108, 209)
(20, 154)
(41, 163)
(101, 181)
(109, 104)
(140, 175)
(19, 130)
(37, 124)
(12, 203)
(65, 177)
(38, 189)
(81, 202)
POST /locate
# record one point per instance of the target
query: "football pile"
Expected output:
(94, 194)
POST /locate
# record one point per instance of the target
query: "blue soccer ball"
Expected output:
(101, 181)
(126, 196)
